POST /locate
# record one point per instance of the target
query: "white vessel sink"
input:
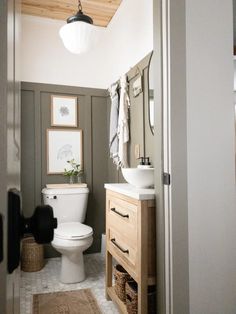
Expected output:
(140, 178)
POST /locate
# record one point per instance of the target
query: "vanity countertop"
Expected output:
(131, 191)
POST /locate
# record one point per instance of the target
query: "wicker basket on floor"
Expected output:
(121, 277)
(131, 290)
(32, 255)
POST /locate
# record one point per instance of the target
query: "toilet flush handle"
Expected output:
(52, 197)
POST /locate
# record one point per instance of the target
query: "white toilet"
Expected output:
(72, 237)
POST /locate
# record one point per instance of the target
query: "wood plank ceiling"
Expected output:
(101, 11)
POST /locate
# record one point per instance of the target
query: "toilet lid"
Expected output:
(73, 231)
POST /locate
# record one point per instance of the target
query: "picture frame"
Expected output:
(64, 111)
(63, 145)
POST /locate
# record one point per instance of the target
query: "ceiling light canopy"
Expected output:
(79, 34)
(80, 16)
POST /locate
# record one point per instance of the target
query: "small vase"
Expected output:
(79, 179)
(71, 179)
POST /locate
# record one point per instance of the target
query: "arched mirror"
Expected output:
(151, 94)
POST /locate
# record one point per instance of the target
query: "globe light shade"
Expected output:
(79, 37)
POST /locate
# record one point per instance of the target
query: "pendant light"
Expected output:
(79, 34)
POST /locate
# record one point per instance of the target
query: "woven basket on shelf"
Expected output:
(32, 255)
(131, 290)
(121, 276)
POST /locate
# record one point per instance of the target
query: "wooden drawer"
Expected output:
(122, 218)
(122, 251)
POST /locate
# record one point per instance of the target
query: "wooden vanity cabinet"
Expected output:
(131, 241)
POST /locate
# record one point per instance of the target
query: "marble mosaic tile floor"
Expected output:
(47, 280)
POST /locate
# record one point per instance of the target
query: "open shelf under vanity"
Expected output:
(120, 304)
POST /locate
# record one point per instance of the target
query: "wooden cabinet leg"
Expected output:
(108, 272)
(142, 261)
(142, 298)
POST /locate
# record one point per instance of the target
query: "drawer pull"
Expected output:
(118, 213)
(119, 247)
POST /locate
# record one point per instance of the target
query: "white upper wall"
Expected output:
(129, 36)
(126, 41)
(45, 60)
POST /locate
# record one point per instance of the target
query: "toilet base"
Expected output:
(72, 268)
(72, 259)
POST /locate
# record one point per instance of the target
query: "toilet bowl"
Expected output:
(72, 237)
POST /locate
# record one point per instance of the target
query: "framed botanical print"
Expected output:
(63, 111)
(63, 145)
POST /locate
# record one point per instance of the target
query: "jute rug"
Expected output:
(66, 302)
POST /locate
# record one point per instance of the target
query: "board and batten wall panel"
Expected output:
(140, 132)
(100, 154)
(93, 119)
(36, 118)
(28, 151)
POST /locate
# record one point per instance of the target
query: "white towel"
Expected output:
(123, 123)
(113, 141)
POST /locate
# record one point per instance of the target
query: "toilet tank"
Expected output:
(69, 204)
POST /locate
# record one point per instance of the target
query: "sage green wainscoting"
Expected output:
(140, 132)
(92, 119)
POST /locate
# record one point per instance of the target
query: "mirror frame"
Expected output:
(149, 96)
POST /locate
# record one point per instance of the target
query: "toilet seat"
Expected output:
(73, 231)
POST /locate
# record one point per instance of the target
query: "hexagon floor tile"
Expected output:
(47, 280)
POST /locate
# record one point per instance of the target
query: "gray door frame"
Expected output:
(3, 144)
(171, 140)
(9, 138)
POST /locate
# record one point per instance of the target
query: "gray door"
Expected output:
(9, 140)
